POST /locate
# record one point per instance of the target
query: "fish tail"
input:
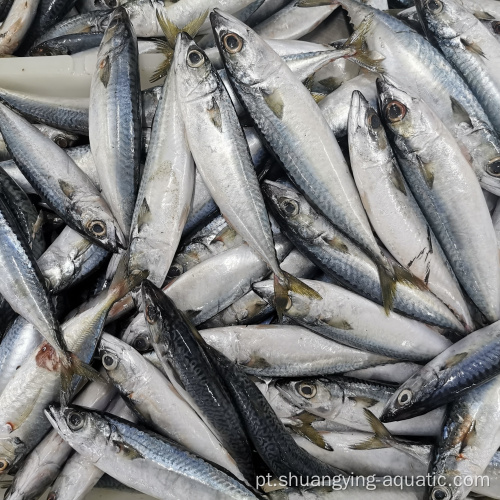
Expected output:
(357, 41)
(381, 438)
(123, 280)
(284, 283)
(405, 276)
(72, 366)
(388, 284)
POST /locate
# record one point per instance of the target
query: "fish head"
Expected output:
(247, 57)
(366, 131)
(118, 359)
(100, 225)
(446, 19)
(117, 31)
(412, 398)
(288, 205)
(312, 395)
(137, 335)
(402, 113)
(84, 430)
(194, 72)
(12, 451)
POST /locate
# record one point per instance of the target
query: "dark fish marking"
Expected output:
(429, 239)
(274, 101)
(67, 189)
(473, 47)
(215, 115)
(47, 358)
(427, 273)
(105, 71)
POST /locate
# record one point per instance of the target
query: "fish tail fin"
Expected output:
(381, 437)
(306, 430)
(357, 41)
(404, 276)
(285, 283)
(388, 284)
(72, 366)
(124, 281)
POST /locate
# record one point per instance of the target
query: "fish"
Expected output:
(114, 118)
(400, 224)
(466, 42)
(16, 25)
(235, 187)
(169, 469)
(192, 374)
(464, 229)
(447, 376)
(67, 189)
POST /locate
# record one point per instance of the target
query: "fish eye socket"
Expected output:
(435, 6)
(493, 167)
(151, 314)
(495, 25)
(61, 141)
(175, 270)
(109, 362)
(395, 111)
(3, 464)
(440, 493)
(98, 228)
(195, 59)
(289, 207)
(75, 421)
(142, 344)
(404, 397)
(232, 43)
(374, 121)
(307, 390)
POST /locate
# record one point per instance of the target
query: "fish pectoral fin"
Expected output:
(226, 233)
(336, 243)
(127, 450)
(67, 189)
(274, 101)
(459, 112)
(258, 363)
(397, 178)
(472, 47)
(454, 360)
(144, 215)
(340, 324)
(364, 401)
(427, 171)
(483, 15)
(215, 115)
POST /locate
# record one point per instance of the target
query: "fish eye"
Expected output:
(440, 493)
(151, 314)
(61, 141)
(374, 121)
(74, 420)
(3, 464)
(109, 362)
(289, 207)
(98, 228)
(435, 6)
(395, 111)
(195, 59)
(232, 43)
(307, 390)
(495, 25)
(142, 344)
(175, 270)
(493, 167)
(404, 397)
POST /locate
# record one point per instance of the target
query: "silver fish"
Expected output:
(16, 25)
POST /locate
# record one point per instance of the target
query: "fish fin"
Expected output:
(305, 429)
(454, 360)
(483, 15)
(274, 101)
(71, 367)
(426, 171)
(144, 215)
(357, 41)
(372, 443)
(129, 452)
(170, 30)
(67, 189)
(215, 115)
(337, 243)
(472, 47)
(364, 401)
(397, 178)
(387, 285)
(340, 324)
(331, 83)
(377, 426)
(123, 281)
(394, 12)
(459, 112)
(194, 26)
(105, 71)
(317, 96)
(288, 282)
(406, 277)
(257, 362)
(315, 3)
(309, 82)
(162, 70)
(38, 225)
(225, 233)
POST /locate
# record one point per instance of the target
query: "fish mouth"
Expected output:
(356, 115)
(53, 414)
(273, 189)
(121, 240)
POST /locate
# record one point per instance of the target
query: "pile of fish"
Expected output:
(267, 270)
